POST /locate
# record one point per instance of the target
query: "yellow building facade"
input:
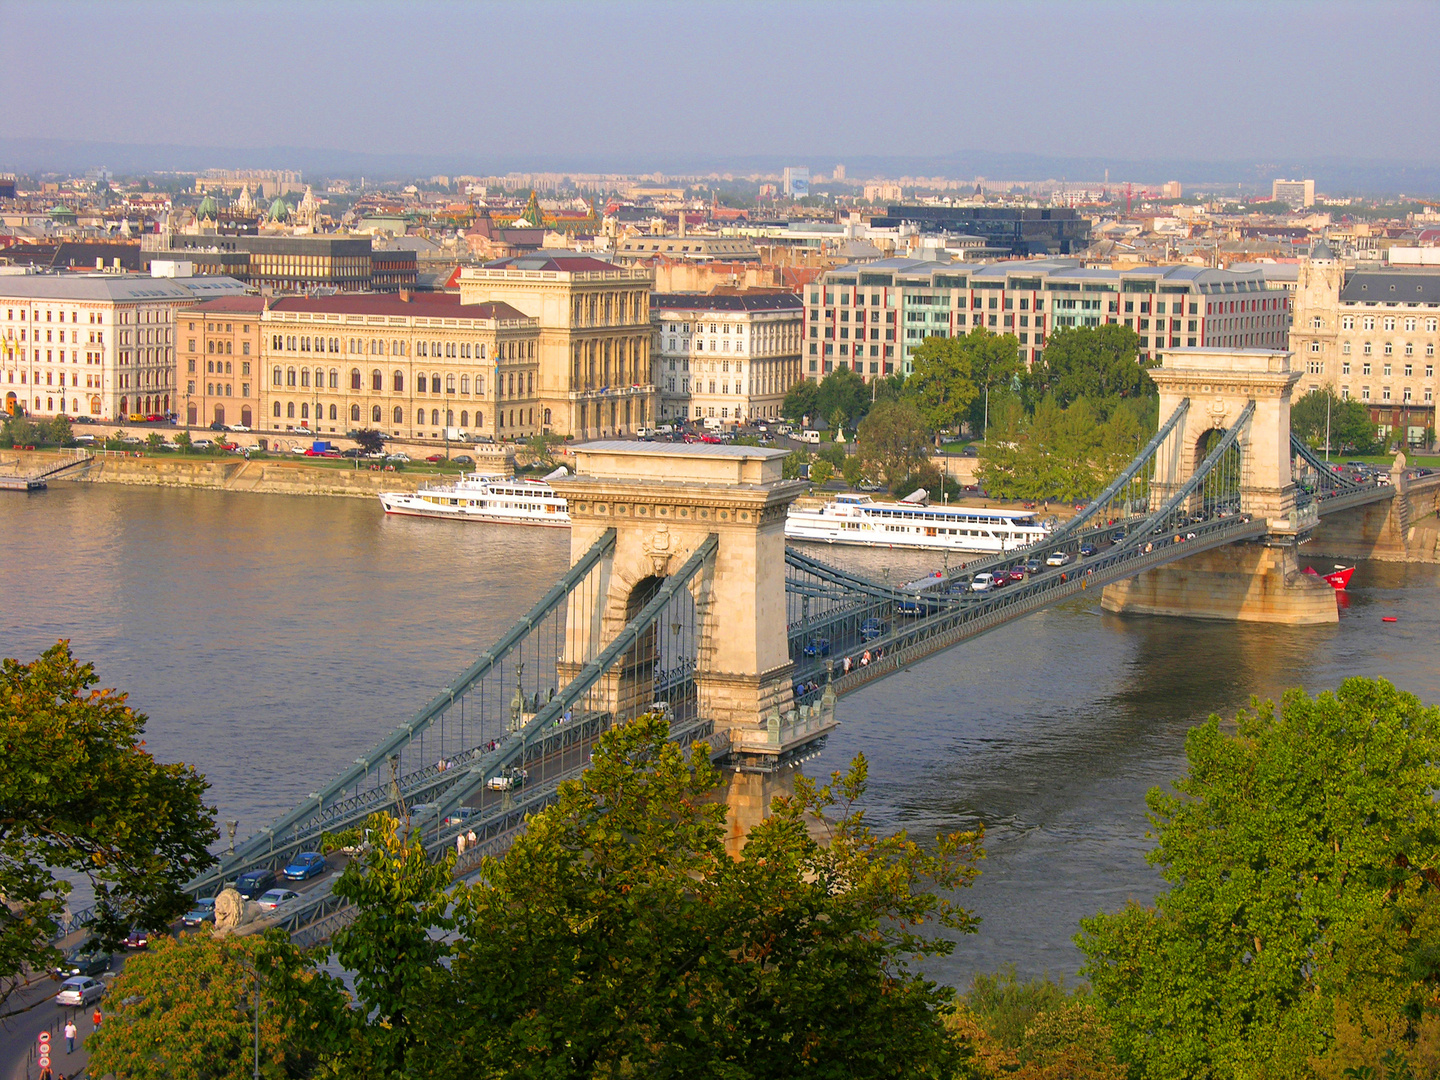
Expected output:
(410, 366)
(594, 378)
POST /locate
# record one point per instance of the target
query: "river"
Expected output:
(271, 639)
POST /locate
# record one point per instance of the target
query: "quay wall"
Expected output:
(269, 476)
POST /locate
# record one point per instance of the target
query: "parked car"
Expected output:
(254, 882)
(80, 991)
(463, 459)
(217, 426)
(275, 898)
(85, 959)
(138, 939)
(982, 582)
(402, 458)
(202, 444)
(435, 459)
(1057, 558)
(304, 866)
(969, 451)
(817, 646)
(201, 913)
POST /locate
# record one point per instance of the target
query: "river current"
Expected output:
(271, 639)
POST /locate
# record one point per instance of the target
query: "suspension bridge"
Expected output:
(682, 596)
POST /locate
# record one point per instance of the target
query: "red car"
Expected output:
(435, 458)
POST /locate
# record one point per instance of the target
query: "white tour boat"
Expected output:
(497, 499)
(910, 523)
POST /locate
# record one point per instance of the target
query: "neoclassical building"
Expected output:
(1371, 336)
(407, 365)
(594, 376)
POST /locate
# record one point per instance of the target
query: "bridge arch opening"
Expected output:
(1220, 490)
(661, 665)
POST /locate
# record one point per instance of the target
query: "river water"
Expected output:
(271, 639)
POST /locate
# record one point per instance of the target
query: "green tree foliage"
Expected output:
(834, 453)
(892, 441)
(81, 794)
(793, 467)
(372, 442)
(1300, 853)
(843, 398)
(186, 1008)
(801, 400)
(952, 372)
(19, 431)
(618, 938)
(1096, 362)
(1059, 453)
(852, 470)
(154, 442)
(821, 473)
(1351, 430)
(182, 440)
(57, 430)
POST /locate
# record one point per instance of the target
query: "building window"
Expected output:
(1366, 349)
(354, 378)
(354, 414)
(276, 378)
(377, 380)
(1347, 323)
(1345, 348)
(1314, 346)
(1364, 393)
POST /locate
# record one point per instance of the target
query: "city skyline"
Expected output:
(1220, 85)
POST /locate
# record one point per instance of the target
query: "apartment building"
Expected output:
(218, 356)
(729, 357)
(595, 374)
(94, 345)
(409, 365)
(872, 316)
(1371, 336)
(1023, 231)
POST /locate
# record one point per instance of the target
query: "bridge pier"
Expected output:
(665, 502)
(1240, 582)
(1402, 528)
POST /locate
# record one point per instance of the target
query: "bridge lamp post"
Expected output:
(230, 826)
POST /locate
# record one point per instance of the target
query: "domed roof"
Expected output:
(1322, 250)
(278, 210)
(208, 208)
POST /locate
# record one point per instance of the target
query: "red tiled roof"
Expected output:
(427, 305)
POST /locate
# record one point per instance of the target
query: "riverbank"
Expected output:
(274, 476)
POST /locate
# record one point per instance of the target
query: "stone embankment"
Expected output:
(268, 475)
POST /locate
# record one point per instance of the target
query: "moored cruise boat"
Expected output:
(858, 519)
(496, 499)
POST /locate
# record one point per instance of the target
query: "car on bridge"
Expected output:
(1058, 558)
(79, 991)
(1033, 565)
(304, 866)
(508, 780)
(201, 913)
(817, 646)
(277, 898)
(871, 629)
(982, 582)
(254, 882)
(1087, 549)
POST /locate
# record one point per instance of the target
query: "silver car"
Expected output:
(81, 990)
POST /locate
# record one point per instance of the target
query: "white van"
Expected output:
(713, 423)
(783, 429)
(810, 436)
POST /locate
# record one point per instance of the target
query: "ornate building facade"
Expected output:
(594, 377)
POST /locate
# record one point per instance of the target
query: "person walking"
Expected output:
(97, 1018)
(70, 1032)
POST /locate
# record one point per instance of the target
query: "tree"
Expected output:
(57, 430)
(82, 795)
(1097, 362)
(369, 440)
(793, 467)
(1348, 422)
(185, 1007)
(801, 400)
(842, 398)
(942, 385)
(852, 470)
(1300, 853)
(19, 431)
(154, 442)
(617, 938)
(892, 441)
(821, 473)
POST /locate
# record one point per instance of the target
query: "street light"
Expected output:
(230, 827)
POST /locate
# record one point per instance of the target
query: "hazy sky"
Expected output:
(573, 81)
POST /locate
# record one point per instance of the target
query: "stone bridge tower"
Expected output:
(1250, 582)
(664, 502)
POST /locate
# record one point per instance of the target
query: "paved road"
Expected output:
(19, 1035)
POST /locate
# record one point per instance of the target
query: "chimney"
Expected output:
(405, 296)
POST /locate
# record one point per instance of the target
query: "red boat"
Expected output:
(1336, 580)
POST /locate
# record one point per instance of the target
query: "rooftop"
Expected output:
(237, 304)
(1395, 287)
(104, 288)
(677, 450)
(419, 305)
(776, 301)
(566, 263)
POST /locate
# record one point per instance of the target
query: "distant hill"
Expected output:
(1333, 175)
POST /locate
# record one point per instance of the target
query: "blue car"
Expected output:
(305, 865)
(817, 647)
(871, 629)
(1088, 549)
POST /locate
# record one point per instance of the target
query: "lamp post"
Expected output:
(1327, 426)
(230, 826)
